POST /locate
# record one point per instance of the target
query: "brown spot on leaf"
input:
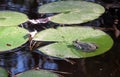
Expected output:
(8, 44)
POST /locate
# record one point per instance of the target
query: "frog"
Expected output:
(85, 46)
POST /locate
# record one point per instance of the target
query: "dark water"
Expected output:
(105, 65)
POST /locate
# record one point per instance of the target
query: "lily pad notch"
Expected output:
(64, 48)
(12, 18)
(12, 36)
(72, 12)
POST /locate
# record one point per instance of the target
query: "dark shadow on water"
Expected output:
(17, 61)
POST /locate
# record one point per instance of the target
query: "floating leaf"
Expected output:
(3, 72)
(37, 73)
(12, 37)
(64, 37)
(72, 0)
(72, 12)
(70, 6)
(11, 18)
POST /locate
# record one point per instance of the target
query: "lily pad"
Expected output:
(64, 37)
(12, 18)
(38, 73)
(3, 72)
(12, 37)
(72, 12)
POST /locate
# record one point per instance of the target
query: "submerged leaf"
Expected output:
(3, 72)
(64, 37)
(37, 73)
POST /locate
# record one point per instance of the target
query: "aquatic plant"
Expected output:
(62, 38)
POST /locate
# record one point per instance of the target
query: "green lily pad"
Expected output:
(11, 18)
(72, 12)
(3, 72)
(64, 37)
(72, 0)
(12, 37)
(38, 73)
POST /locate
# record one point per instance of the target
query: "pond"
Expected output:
(105, 65)
(20, 59)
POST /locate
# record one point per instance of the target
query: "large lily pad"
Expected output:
(37, 73)
(12, 37)
(64, 37)
(3, 72)
(72, 12)
(11, 18)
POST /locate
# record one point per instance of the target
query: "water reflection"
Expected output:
(44, 61)
(50, 65)
(17, 62)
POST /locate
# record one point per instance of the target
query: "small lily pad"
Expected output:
(12, 18)
(38, 73)
(64, 37)
(12, 37)
(3, 72)
(72, 12)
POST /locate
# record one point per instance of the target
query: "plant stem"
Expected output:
(38, 21)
